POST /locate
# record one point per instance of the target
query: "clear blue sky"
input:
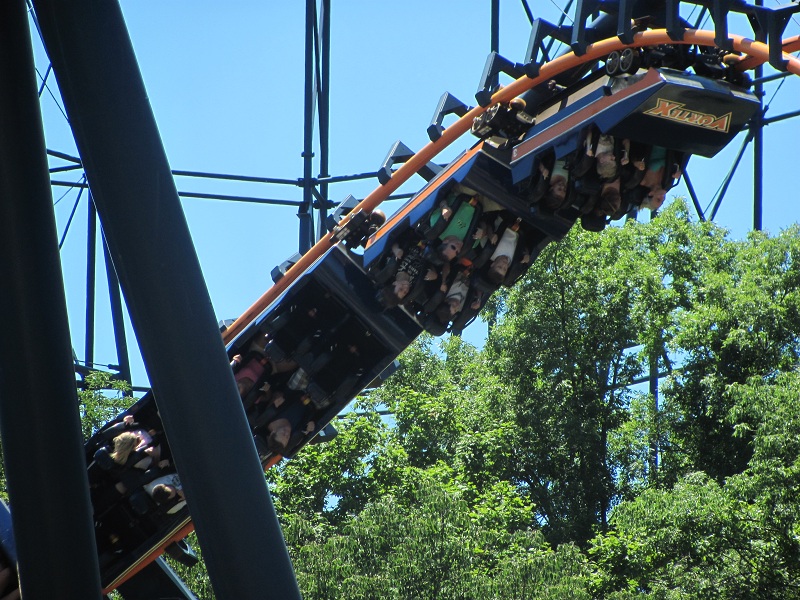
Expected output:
(226, 85)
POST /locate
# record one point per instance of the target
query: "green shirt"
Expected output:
(459, 222)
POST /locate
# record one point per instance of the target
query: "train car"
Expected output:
(613, 143)
(591, 152)
(663, 107)
(297, 365)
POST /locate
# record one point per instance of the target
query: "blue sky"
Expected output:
(225, 82)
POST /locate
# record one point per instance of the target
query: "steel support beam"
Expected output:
(117, 318)
(39, 420)
(654, 445)
(169, 305)
(758, 147)
(494, 33)
(324, 116)
(91, 278)
(305, 212)
(693, 195)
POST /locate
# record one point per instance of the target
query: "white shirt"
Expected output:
(171, 479)
(507, 245)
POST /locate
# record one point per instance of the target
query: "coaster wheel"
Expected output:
(630, 60)
(482, 125)
(612, 63)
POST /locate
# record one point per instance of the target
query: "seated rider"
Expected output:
(539, 182)
(658, 178)
(167, 492)
(633, 172)
(599, 208)
(452, 222)
(454, 300)
(558, 181)
(608, 152)
(257, 366)
(504, 242)
(412, 267)
(131, 446)
(292, 424)
(128, 423)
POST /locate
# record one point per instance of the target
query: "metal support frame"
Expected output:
(494, 36)
(693, 195)
(117, 320)
(324, 116)
(317, 94)
(169, 305)
(39, 420)
(757, 127)
(304, 213)
(654, 445)
(768, 25)
(91, 268)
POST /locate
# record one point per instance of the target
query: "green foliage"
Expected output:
(542, 432)
(337, 478)
(743, 323)
(102, 399)
(632, 445)
(196, 578)
(692, 538)
(563, 350)
(427, 544)
(701, 539)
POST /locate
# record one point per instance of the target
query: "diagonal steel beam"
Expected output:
(39, 420)
(149, 241)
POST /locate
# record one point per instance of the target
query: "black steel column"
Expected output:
(758, 147)
(117, 318)
(39, 421)
(494, 41)
(758, 159)
(654, 435)
(324, 114)
(91, 278)
(147, 234)
(304, 213)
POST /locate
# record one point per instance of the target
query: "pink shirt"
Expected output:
(252, 370)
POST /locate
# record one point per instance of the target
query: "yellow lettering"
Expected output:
(663, 108)
(721, 124)
(674, 111)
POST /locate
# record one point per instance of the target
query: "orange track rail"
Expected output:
(756, 53)
(791, 44)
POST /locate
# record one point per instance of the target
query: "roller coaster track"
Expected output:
(754, 54)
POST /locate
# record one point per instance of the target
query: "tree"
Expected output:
(337, 478)
(703, 539)
(561, 347)
(426, 543)
(743, 323)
